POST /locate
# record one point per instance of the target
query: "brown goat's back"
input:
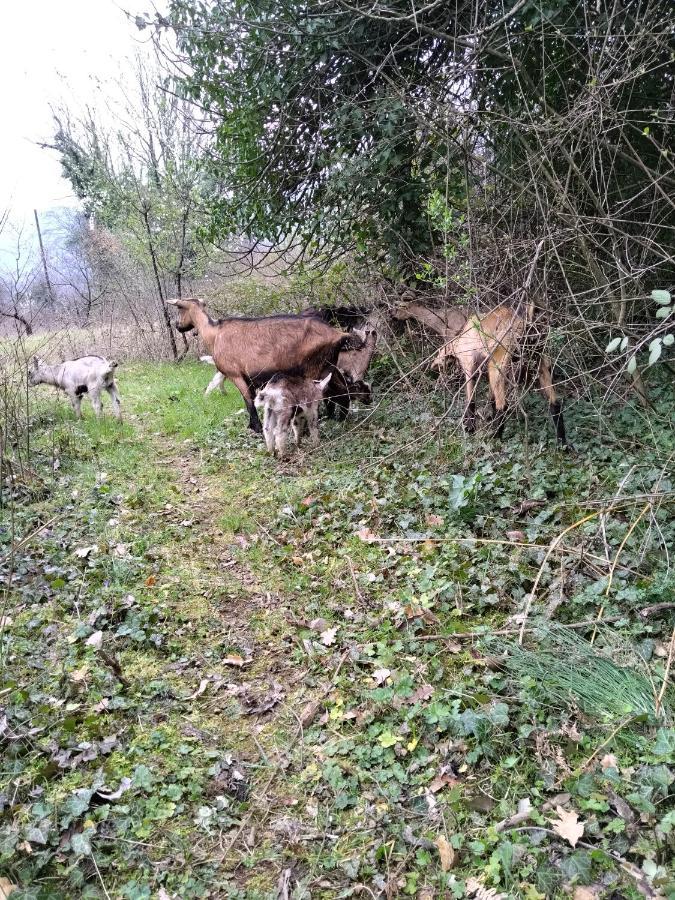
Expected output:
(256, 348)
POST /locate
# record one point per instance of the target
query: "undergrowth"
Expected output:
(217, 667)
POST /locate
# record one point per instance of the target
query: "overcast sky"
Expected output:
(52, 49)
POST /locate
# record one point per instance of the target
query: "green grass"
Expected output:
(210, 553)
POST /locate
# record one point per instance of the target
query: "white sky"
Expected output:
(52, 49)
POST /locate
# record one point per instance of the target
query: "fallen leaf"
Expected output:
(94, 640)
(609, 761)
(442, 780)
(203, 684)
(84, 552)
(121, 550)
(585, 893)
(446, 853)
(150, 580)
(366, 535)
(233, 660)
(381, 675)
(125, 784)
(328, 636)
(78, 675)
(6, 888)
(318, 625)
(518, 537)
(5, 621)
(309, 712)
(567, 825)
(433, 519)
(297, 561)
(307, 501)
(423, 692)
(478, 891)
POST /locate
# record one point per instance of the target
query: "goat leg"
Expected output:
(253, 419)
(76, 403)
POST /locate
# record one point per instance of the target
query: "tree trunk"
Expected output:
(165, 311)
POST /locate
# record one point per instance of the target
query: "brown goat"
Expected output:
(492, 341)
(353, 364)
(250, 351)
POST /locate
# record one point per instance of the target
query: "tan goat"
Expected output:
(491, 342)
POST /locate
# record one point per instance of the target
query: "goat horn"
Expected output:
(174, 302)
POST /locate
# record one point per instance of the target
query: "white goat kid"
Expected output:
(76, 377)
(290, 401)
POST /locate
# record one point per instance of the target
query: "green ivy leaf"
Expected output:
(668, 340)
(613, 344)
(632, 365)
(663, 312)
(662, 297)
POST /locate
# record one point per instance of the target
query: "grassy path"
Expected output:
(216, 683)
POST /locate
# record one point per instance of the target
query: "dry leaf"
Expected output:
(120, 550)
(5, 621)
(6, 888)
(78, 675)
(381, 675)
(318, 625)
(328, 636)
(84, 552)
(423, 692)
(433, 519)
(518, 537)
(609, 761)
(233, 660)
(446, 853)
(307, 501)
(203, 684)
(94, 640)
(366, 535)
(442, 780)
(479, 892)
(585, 893)
(567, 825)
(297, 561)
(309, 712)
(150, 580)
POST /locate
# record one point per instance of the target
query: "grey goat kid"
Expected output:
(86, 375)
(290, 401)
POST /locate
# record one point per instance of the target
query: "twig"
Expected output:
(614, 565)
(586, 764)
(468, 635)
(655, 609)
(665, 674)
(554, 544)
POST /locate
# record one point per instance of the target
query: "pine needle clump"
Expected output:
(608, 683)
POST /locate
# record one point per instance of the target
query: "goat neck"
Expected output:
(206, 328)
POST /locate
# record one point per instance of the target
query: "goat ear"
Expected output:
(361, 333)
